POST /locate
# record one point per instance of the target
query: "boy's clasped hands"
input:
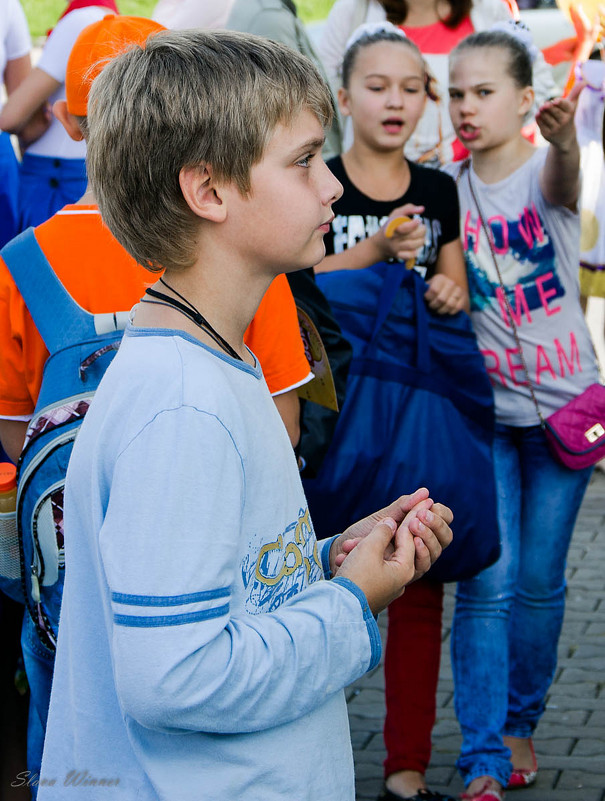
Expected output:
(386, 551)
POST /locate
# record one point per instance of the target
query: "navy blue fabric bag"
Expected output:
(418, 412)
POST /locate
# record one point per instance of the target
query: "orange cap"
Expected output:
(95, 47)
(8, 476)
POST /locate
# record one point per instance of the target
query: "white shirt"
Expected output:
(14, 34)
(55, 143)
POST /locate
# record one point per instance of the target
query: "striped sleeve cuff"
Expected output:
(370, 620)
(325, 546)
(148, 611)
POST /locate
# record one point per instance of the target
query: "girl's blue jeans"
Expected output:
(508, 619)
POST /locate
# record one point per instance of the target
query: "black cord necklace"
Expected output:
(189, 310)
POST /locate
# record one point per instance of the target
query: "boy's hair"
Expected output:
(519, 57)
(383, 32)
(189, 98)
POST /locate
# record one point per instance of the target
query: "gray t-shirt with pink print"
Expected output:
(537, 249)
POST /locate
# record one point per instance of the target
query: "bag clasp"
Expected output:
(595, 432)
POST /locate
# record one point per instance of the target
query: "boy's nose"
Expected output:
(332, 189)
(337, 190)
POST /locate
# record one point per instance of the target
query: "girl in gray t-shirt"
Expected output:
(518, 210)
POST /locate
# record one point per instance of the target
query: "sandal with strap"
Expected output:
(489, 792)
(523, 777)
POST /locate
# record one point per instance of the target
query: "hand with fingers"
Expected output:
(555, 119)
(37, 125)
(444, 296)
(416, 531)
(404, 240)
(393, 554)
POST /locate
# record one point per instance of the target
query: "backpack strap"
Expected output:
(59, 319)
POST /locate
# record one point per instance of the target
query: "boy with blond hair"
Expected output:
(200, 653)
(102, 277)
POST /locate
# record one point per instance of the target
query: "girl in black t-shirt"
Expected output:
(385, 85)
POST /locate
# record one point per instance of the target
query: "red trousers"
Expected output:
(411, 671)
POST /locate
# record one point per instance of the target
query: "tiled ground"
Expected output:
(570, 740)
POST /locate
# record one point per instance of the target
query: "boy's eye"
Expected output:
(305, 161)
(375, 88)
(455, 95)
(412, 90)
(484, 92)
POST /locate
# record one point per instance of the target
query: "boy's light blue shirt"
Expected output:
(201, 654)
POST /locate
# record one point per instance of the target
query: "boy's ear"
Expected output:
(203, 197)
(67, 120)
(343, 102)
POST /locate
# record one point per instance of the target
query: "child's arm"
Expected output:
(559, 180)
(404, 244)
(15, 72)
(288, 406)
(12, 437)
(27, 98)
(187, 654)
(448, 288)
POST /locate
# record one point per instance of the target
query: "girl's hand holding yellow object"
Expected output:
(405, 235)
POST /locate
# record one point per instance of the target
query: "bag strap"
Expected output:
(398, 276)
(59, 319)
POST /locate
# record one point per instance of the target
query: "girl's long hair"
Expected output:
(397, 11)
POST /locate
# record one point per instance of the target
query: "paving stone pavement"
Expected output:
(570, 739)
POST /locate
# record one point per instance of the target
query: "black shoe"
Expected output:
(421, 795)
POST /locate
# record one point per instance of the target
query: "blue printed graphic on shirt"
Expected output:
(526, 258)
(278, 570)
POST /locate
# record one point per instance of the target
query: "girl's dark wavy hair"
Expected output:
(397, 11)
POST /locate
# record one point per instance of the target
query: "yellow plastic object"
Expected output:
(394, 224)
(389, 231)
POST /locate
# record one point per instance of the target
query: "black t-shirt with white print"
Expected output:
(357, 216)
